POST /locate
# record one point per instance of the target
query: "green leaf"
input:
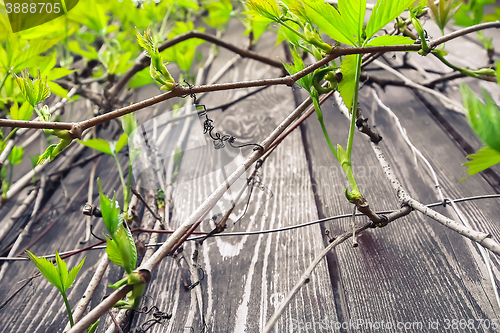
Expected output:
(386, 40)
(16, 155)
(46, 154)
(92, 328)
(113, 252)
(442, 12)
(484, 118)
(23, 113)
(90, 54)
(286, 34)
(383, 13)
(3, 172)
(48, 270)
(269, 9)
(97, 144)
(57, 89)
(73, 273)
(353, 15)
(125, 243)
(110, 210)
(141, 78)
(34, 159)
(219, 12)
(328, 19)
(183, 52)
(298, 65)
(62, 271)
(122, 142)
(481, 160)
(346, 85)
(57, 73)
(129, 123)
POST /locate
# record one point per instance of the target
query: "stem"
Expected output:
(460, 69)
(348, 167)
(301, 35)
(68, 309)
(319, 113)
(125, 188)
(11, 134)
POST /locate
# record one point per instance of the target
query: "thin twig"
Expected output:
(477, 236)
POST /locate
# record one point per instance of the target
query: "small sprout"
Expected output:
(157, 69)
(35, 91)
(58, 275)
(442, 12)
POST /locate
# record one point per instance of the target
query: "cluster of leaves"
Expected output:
(61, 278)
(485, 121)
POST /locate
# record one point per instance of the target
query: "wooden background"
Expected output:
(412, 271)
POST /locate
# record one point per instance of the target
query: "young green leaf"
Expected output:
(353, 15)
(129, 123)
(219, 12)
(122, 142)
(442, 12)
(386, 40)
(384, 12)
(48, 270)
(298, 65)
(35, 91)
(483, 159)
(113, 252)
(46, 154)
(53, 150)
(22, 113)
(97, 144)
(3, 172)
(484, 118)
(266, 8)
(346, 85)
(73, 273)
(16, 155)
(110, 210)
(126, 245)
(92, 328)
(328, 20)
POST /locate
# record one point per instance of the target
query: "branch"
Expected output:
(142, 61)
(77, 128)
(477, 236)
(447, 102)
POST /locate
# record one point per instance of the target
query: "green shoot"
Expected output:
(58, 275)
